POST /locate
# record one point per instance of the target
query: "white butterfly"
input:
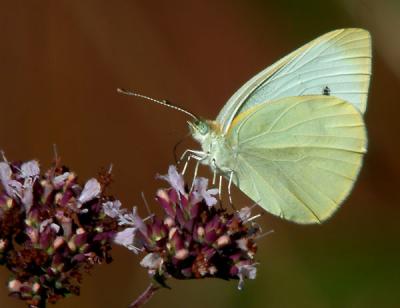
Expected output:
(292, 138)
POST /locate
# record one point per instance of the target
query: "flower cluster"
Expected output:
(51, 230)
(194, 239)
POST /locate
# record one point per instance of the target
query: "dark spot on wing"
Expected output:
(326, 91)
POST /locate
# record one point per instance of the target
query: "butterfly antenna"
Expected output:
(163, 102)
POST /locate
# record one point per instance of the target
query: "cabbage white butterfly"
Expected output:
(292, 138)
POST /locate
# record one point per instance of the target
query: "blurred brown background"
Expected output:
(60, 65)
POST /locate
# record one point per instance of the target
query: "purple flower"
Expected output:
(193, 238)
(45, 243)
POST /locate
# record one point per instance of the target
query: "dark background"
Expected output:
(60, 65)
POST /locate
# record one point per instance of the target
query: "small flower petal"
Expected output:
(113, 208)
(14, 189)
(44, 224)
(56, 228)
(59, 180)
(244, 213)
(5, 172)
(127, 238)
(175, 179)
(30, 169)
(200, 192)
(246, 271)
(90, 191)
(27, 194)
(152, 261)
(14, 285)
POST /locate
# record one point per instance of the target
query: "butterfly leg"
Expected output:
(196, 169)
(197, 158)
(197, 155)
(220, 188)
(183, 155)
(189, 152)
(214, 168)
(186, 164)
(214, 165)
(229, 188)
(214, 179)
(214, 171)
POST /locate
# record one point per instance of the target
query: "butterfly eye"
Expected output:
(202, 127)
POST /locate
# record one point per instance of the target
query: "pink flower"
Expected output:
(45, 242)
(193, 238)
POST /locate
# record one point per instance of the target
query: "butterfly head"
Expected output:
(198, 128)
(204, 131)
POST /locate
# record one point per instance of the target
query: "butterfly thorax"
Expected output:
(216, 152)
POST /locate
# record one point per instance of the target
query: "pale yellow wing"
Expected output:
(298, 157)
(337, 63)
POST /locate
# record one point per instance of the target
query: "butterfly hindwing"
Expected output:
(298, 157)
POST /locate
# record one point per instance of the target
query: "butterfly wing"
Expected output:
(298, 157)
(339, 62)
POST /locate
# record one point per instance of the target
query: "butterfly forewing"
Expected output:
(298, 157)
(338, 63)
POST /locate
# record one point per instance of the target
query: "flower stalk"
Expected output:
(145, 296)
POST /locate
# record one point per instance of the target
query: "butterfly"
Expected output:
(292, 138)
